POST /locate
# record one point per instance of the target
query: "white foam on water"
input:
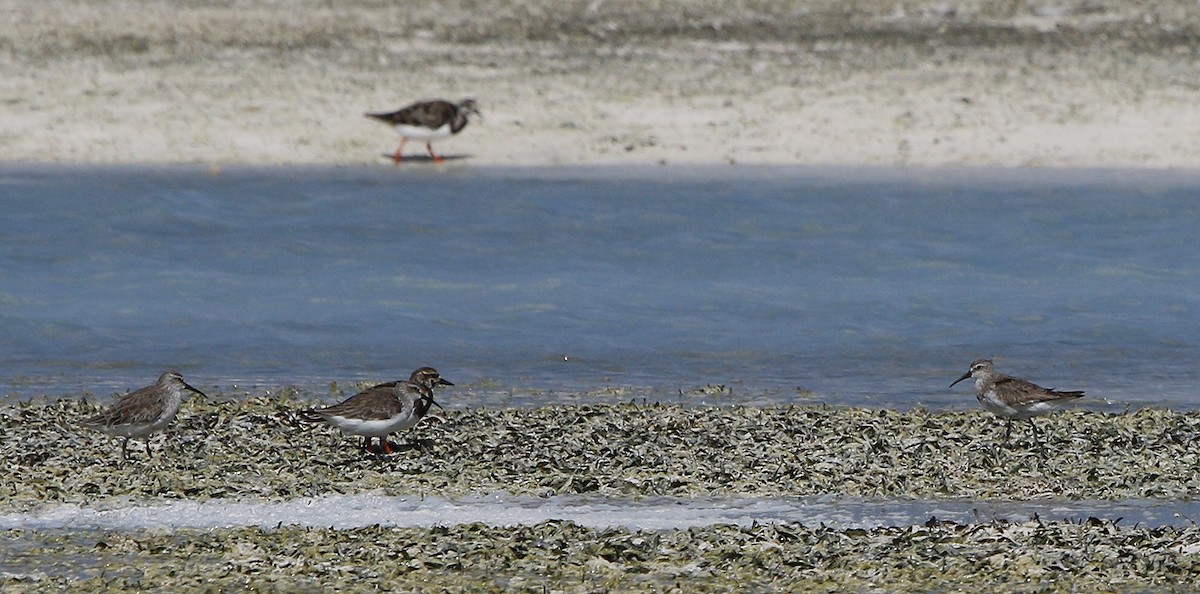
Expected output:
(351, 511)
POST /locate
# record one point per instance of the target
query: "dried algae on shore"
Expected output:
(250, 446)
(253, 446)
(563, 557)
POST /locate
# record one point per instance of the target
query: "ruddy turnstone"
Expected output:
(143, 412)
(1013, 398)
(382, 409)
(427, 121)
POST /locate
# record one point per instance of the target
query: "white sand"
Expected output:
(1056, 84)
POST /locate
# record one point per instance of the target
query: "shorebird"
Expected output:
(382, 409)
(428, 121)
(1013, 398)
(144, 411)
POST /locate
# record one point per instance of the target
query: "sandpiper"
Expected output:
(143, 412)
(1013, 398)
(382, 409)
(428, 121)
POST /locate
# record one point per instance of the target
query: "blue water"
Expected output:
(526, 286)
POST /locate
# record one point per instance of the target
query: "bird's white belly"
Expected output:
(137, 429)
(1018, 411)
(374, 427)
(997, 407)
(130, 430)
(422, 133)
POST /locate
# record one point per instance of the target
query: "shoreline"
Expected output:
(1076, 85)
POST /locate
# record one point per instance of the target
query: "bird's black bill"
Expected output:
(443, 382)
(189, 388)
(965, 376)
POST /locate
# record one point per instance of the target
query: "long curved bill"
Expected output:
(965, 376)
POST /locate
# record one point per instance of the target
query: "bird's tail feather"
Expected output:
(311, 415)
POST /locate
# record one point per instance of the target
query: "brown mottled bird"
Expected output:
(143, 412)
(1011, 397)
(382, 409)
(428, 121)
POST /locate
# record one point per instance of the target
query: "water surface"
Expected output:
(343, 512)
(527, 286)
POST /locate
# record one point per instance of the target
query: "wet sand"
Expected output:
(1068, 83)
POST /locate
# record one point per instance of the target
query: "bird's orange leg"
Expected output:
(399, 156)
(432, 155)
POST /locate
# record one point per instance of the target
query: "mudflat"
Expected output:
(1053, 83)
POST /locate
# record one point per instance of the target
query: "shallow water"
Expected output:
(354, 511)
(526, 286)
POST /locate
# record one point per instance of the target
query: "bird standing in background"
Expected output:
(427, 121)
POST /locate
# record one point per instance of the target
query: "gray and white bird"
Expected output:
(1014, 398)
(143, 412)
(382, 409)
(427, 121)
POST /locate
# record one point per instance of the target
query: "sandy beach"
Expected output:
(1052, 83)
